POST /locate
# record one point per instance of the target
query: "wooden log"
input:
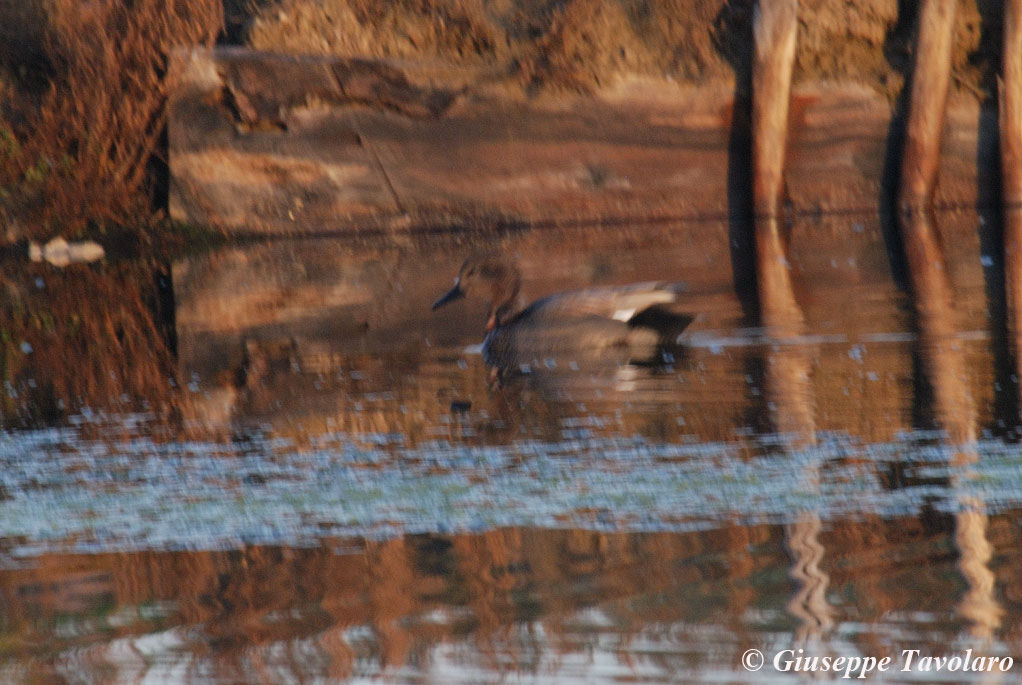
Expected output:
(311, 155)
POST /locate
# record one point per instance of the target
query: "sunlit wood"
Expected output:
(931, 79)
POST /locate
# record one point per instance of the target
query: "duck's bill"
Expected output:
(455, 293)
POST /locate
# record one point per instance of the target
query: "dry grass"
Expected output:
(80, 127)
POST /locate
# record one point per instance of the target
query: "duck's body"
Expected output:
(618, 322)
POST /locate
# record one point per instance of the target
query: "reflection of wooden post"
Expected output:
(979, 604)
(391, 599)
(940, 349)
(809, 604)
(1011, 169)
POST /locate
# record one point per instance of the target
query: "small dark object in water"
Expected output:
(460, 406)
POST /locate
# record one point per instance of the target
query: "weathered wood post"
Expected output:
(775, 31)
(931, 79)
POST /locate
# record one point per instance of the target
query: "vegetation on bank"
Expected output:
(82, 108)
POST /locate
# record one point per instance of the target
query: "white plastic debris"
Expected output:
(60, 253)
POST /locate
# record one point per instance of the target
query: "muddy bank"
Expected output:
(581, 46)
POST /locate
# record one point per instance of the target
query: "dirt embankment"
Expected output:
(580, 45)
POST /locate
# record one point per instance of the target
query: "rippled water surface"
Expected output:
(274, 463)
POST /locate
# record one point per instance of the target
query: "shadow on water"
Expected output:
(991, 229)
(735, 19)
(897, 49)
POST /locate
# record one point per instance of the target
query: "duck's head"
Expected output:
(492, 275)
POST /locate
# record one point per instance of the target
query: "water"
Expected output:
(274, 463)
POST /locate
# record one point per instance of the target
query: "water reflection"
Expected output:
(81, 338)
(297, 470)
(791, 402)
(349, 338)
(554, 604)
(339, 338)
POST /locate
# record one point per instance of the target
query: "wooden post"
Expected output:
(776, 26)
(931, 78)
(1011, 106)
(940, 349)
(775, 30)
(788, 384)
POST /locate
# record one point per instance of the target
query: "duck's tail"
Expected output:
(669, 324)
(657, 313)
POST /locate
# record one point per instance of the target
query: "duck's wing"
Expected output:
(622, 302)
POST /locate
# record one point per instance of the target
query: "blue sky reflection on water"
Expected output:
(107, 495)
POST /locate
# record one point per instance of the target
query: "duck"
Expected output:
(626, 323)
